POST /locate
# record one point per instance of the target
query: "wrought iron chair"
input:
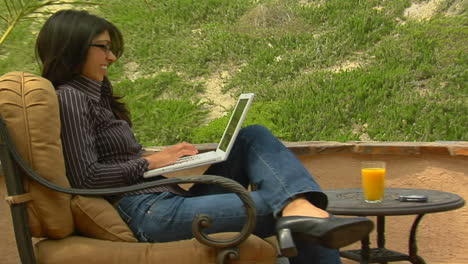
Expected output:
(73, 221)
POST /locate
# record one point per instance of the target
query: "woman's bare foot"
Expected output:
(302, 207)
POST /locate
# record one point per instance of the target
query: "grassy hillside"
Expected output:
(321, 70)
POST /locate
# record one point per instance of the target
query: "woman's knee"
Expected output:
(253, 131)
(257, 134)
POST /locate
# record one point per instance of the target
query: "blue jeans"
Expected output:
(257, 158)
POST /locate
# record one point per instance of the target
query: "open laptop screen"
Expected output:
(223, 145)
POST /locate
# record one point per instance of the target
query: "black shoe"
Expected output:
(331, 232)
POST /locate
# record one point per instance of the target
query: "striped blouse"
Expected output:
(100, 150)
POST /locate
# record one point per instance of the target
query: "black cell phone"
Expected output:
(413, 198)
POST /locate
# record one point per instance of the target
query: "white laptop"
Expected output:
(224, 146)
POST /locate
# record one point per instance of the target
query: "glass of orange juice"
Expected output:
(373, 178)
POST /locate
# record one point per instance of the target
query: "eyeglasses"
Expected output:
(105, 47)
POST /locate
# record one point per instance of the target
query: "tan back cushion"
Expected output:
(97, 218)
(29, 105)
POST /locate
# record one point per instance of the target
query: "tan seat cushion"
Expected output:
(96, 218)
(29, 105)
(80, 250)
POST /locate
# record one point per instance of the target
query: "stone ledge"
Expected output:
(451, 148)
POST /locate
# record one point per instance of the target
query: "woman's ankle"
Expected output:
(302, 207)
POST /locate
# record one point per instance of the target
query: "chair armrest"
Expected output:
(199, 223)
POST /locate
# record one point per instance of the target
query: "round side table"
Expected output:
(351, 202)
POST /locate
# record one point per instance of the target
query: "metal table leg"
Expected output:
(413, 248)
(381, 231)
(365, 250)
(381, 234)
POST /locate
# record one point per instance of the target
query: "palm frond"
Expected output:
(7, 5)
(4, 18)
(13, 5)
(18, 10)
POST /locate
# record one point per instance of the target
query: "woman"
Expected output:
(75, 50)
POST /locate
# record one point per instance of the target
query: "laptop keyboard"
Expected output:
(187, 158)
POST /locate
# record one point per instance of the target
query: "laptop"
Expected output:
(224, 146)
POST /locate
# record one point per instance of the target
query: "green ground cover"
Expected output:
(408, 82)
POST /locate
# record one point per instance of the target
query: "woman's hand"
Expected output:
(170, 155)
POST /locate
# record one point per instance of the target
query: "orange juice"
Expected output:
(373, 184)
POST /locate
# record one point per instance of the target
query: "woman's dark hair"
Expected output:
(63, 43)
